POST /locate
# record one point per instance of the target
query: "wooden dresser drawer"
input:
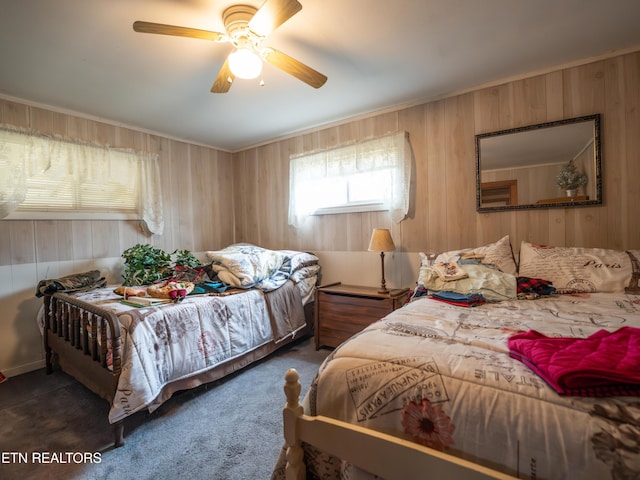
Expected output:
(343, 310)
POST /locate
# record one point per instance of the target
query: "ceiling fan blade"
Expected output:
(294, 67)
(148, 27)
(272, 14)
(223, 81)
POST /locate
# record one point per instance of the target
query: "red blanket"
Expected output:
(604, 364)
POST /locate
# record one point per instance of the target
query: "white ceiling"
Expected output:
(83, 56)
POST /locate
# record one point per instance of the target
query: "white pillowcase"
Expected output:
(499, 254)
(575, 268)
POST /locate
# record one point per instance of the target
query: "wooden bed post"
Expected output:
(295, 469)
(47, 326)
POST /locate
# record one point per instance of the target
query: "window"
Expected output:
(51, 177)
(366, 176)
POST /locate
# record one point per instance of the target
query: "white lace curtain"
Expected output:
(28, 159)
(390, 152)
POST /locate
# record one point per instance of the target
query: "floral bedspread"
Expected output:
(441, 375)
(172, 342)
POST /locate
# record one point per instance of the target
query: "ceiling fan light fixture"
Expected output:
(245, 63)
(246, 27)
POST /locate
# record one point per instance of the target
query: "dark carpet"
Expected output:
(51, 427)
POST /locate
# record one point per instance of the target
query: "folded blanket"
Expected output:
(535, 285)
(460, 299)
(77, 282)
(603, 364)
(250, 266)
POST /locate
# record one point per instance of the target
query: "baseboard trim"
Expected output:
(20, 369)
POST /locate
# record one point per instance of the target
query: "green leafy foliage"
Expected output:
(145, 264)
(184, 258)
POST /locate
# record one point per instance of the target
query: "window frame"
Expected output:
(392, 152)
(76, 164)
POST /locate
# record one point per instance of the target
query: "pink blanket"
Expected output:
(603, 364)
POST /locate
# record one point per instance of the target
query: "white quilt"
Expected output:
(442, 376)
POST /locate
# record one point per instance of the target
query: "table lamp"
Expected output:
(381, 241)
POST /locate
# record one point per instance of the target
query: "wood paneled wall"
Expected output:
(442, 136)
(196, 182)
(197, 187)
(213, 198)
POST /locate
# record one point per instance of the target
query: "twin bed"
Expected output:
(474, 384)
(136, 358)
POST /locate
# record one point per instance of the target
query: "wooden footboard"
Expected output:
(388, 457)
(77, 336)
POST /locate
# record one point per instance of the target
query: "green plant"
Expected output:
(570, 178)
(184, 258)
(145, 264)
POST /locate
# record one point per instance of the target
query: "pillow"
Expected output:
(578, 269)
(498, 254)
(300, 259)
(490, 282)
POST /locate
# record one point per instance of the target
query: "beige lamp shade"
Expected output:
(381, 241)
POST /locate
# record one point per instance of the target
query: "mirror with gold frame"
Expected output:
(535, 166)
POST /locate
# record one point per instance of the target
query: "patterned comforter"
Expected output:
(173, 342)
(164, 346)
(243, 265)
(441, 375)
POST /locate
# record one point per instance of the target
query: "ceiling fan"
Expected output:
(246, 28)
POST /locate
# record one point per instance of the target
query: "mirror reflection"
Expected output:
(555, 164)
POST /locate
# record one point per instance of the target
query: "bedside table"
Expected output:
(342, 310)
